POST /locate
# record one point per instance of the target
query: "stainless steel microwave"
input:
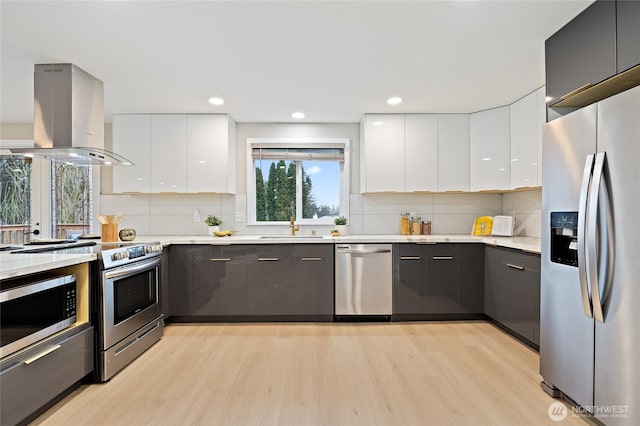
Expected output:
(33, 311)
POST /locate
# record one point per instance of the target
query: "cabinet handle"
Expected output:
(41, 354)
(410, 258)
(518, 267)
(442, 257)
(306, 259)
(427, 242)
(222, 259)
(268, 259)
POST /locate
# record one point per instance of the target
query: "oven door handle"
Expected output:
(128, 270)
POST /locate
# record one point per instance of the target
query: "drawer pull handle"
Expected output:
(268, 259)
(308, 259)
(221, 259)
(518, 267)
(427, 242)
(442, 257)
(41, 354)
(410, 258)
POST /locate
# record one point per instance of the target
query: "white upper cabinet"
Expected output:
(421, 152)
(168, 153)
(175, 153)
(453, 152)
(526, 139)
(210, 153)
(382, 153)
(489, 150)
(541, 111)
(132, 140)
(399, 153)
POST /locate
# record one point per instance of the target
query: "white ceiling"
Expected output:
(333, 60)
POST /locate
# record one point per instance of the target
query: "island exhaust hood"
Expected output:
(68, 117)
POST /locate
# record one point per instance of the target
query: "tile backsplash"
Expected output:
(369, 213)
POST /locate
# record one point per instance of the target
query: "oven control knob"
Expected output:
(148, 249)
(158, 247)
(116, 256)
(125, 254)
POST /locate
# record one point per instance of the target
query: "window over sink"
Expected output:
(310, 175)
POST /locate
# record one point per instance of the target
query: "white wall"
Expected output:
(527, 208)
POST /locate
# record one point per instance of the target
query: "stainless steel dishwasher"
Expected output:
(363, 279)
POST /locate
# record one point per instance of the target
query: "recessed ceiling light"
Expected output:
(28, 155)
(216, 101)
(395, 100)
(486, 159)
(298, 115)
(202, 162)
(377, 123)
(548, 98)
(501, 169)
(73, 154)
(515, 159)
(107, 163)
(126, 164)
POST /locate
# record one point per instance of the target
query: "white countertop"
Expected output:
(13, 265)
(529, 244)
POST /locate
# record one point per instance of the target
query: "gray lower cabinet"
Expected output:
(432, 279)
(208, 280)
(512, 290)
(165, 299)
(257, 281)
(492, 258)
(29, 382)
(290, 280)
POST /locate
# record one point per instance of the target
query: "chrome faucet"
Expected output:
(292, 220)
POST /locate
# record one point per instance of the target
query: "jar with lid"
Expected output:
(426, 228)
(405, 226)
(416, 225)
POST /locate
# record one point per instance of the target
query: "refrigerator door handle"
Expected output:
(582, 235)
(599, 271)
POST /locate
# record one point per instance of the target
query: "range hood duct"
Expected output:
(68, 117)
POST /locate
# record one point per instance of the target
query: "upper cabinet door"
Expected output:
(132, 140)
(628, 33)
(210, 153)
(453, 152)
(383, 153)
(169, 153)
(421, 152)
(524, 141)
(489, 150)
(583, 52)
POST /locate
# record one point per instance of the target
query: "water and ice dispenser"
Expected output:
(564, 238)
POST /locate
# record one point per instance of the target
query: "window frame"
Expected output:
(342, 143)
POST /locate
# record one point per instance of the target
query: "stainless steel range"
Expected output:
(125, 302)
(127, 305)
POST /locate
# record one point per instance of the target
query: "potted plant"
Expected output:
(213, 222)
(341, 225)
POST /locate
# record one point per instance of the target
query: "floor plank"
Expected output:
(427, 373)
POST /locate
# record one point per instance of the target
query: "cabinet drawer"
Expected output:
(269, 252)
(312, 251)
(519, 259)
(30, 382)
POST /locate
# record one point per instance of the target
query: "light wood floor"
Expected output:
(466, 373)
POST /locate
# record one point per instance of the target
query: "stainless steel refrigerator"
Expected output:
(590, 294)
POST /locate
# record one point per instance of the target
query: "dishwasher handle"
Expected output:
(340, 250)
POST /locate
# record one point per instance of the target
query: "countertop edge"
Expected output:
(16, 265)
(528, 244)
